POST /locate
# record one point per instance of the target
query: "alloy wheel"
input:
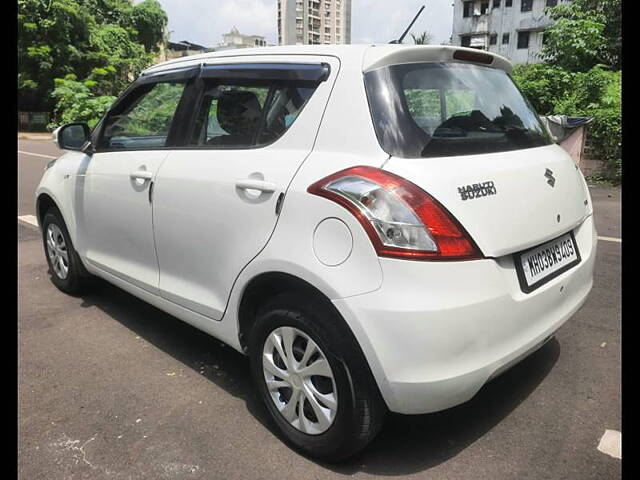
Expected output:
(57, 251)
(299, 380)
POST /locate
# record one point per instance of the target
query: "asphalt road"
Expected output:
(112, 388)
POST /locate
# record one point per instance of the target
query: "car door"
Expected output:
(116, 212)
(215, 199)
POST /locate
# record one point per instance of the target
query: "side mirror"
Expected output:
(72, 136)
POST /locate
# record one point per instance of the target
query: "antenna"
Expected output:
(409, 27)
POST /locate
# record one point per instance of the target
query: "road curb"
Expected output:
(34, 136)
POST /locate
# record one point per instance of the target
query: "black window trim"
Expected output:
(313, 73)
(133, 91)
(184, 118)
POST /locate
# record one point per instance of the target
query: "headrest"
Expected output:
(239, 112)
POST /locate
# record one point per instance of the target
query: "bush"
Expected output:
(595, 93)
(543, 85)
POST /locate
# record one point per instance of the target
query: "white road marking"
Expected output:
(30, 219)
(36, 154)
(610, 239)
(611, 443)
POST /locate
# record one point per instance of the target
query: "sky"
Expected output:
(372, 21)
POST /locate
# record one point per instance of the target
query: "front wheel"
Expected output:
(67, 271)
(314, 379)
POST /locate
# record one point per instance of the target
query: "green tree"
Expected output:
(77, 103)
(423, 39)
(52, 35)
(585, 33)
(61, 37)
(150, 20)
(575, 41)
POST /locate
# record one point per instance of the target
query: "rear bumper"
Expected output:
(435, 333)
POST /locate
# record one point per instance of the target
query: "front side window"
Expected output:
(242, 115)
(144, 121)
(446, 109)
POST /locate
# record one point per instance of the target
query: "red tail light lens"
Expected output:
(401, 219)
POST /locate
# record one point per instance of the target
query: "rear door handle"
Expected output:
(253, 184)
(141, 174)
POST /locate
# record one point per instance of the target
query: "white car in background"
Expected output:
(379, 227)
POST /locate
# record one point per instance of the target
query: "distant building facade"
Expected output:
(314, 22)
(511, 28)
(179, 49)
(235, 39)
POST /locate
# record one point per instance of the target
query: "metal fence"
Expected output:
(33, 121)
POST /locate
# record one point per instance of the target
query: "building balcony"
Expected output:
(472, 25)
(531, 23)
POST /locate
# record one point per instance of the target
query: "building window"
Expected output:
(496, 3)
(552, 3)
(468, 9)
(508, 3)
(465, 41)
(526, 5)
(484, 7)
(493, 39)
(523, 39)
(505, 38)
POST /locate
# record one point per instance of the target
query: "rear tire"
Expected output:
(346, 390)
(66, 269)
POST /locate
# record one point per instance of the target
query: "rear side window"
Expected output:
(143, 121)
(244, 113)
(446, 109)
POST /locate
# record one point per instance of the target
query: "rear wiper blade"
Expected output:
(449, 132)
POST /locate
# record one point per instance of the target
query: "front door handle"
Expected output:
(253, 184)
(141, 174)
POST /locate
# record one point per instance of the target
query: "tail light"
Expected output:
(401, 219)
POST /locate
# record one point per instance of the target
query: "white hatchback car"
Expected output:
(379, 227)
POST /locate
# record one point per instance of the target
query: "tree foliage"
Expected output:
(77, 103)
(595, 93)
(423, 39)
(585, 33)
(57, 38)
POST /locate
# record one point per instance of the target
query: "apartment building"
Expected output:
(314, 22)
(511, 28)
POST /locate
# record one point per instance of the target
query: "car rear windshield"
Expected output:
(446, 109)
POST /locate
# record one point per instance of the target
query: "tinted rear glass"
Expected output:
(437, 110)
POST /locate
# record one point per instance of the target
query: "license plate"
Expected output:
(540, 264)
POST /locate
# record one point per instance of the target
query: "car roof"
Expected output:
(371, 56)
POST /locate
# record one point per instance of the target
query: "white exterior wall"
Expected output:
(503, 20)
(306, 22)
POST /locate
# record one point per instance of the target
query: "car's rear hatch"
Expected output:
(463, 132)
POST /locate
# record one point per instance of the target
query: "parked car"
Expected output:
(379, 227)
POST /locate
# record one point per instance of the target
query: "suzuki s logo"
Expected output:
(550, 178)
